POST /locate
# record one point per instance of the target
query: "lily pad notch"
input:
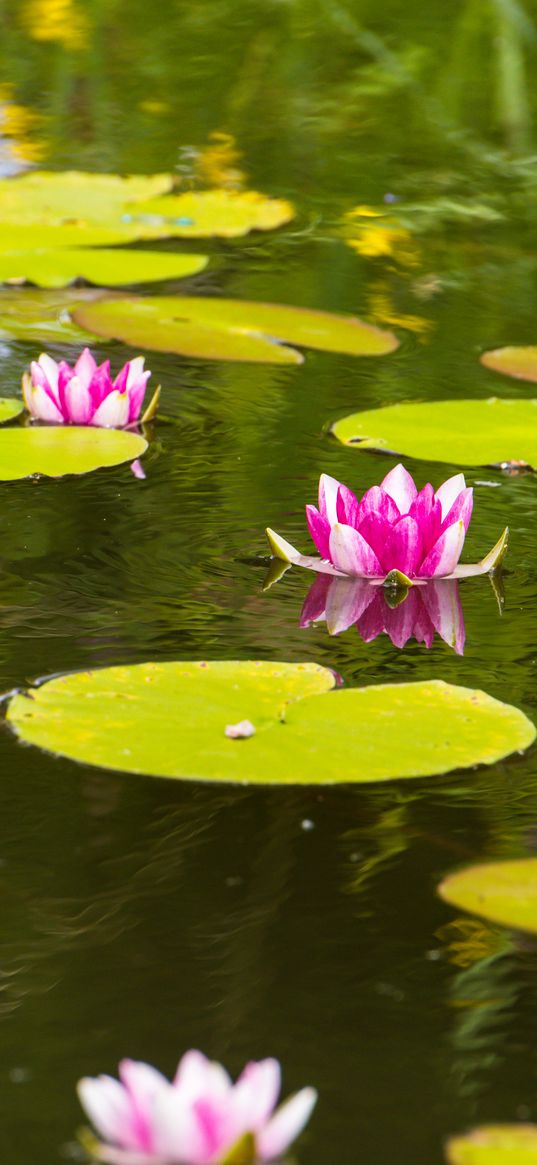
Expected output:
(172, 720)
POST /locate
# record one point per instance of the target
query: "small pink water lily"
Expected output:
(393, 528)
(85, 394)
(198, 1118)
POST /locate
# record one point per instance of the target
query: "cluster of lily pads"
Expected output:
(388, 562)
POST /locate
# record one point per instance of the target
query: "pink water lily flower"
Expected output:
(393, 527)
(198, 1118)
(85, 394)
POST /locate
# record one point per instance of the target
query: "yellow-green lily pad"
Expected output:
(461, 432)
(42, 317)
(227, 213)
(74, 198)
(170, 720)
(504, 892)
(495, 1145)
(104, 267)
(56, 450)
(227, 329)
(520, 362)
(9, 407)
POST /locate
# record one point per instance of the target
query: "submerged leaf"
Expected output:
(107, 268)
(461, 432)
(42, 317)
(168, 720)
(226, 329)
(504, 892)
(56, 450)
(495, 1145)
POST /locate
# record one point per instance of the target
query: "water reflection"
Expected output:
(418, 613)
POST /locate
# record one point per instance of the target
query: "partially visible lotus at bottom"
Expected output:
(419, 613)
(199, 1118)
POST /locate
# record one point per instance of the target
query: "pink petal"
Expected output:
(255, 1095)
(427, 512)
(401, 487)
(443, 605)
(43, 407)
(376, 530)
(136, 371)
(286, 1124)
(113, 413)
(328, 490)
(101, 384)
(314, 606)
(347, 506)
(400, 623)
(445, 554)
(178, 1134)
(449, 491)
(50, 369)
(348, 598)
(461, 510)
(319, 529)
(371, 623)
(85, 367)
(78, 404)
(377, 501)
(142, 1083)
(350, 553)
(404, 547)
(136, 393)
(197, 1076)
(108, 1106)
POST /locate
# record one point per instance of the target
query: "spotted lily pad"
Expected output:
(519, 362)
(227, 213)
(56, 450)
(504, 892)
(170, 720)
(495, 1145)
(461, 432)
(227, 329)
(9, 407)
(107, 268)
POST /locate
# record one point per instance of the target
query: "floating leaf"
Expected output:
(43, 318)
(503, 892)
(461, 432)
(9, 407)
(227, 329)
(107, 268)
(228, 213)
(73, 197)
(56, 450)
(170, 720)
(495, 1145)
(518, 362)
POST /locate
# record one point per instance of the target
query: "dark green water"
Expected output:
(139, 917)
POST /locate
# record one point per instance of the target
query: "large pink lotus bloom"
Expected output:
(85, 394)
(434, 608)
(198, 1118)
(393, 527)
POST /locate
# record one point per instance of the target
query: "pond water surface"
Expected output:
(142, 916)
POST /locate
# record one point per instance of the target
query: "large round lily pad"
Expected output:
(495, 1145)
(461, 432)
(9, 407)
(227, 213)
(504, 892)
(74, 198)
(56, 450)
(228, 329)
(102, 266)
(170, 720)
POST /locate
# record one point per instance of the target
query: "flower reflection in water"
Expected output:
(418, 613)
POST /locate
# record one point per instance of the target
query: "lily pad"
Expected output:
(9, 407)
(227, 329)
(519, 362)
(107, 268)
(227, 213)
(42, 317)
(504, 892)
(170, 720)
(73, 197)
(56, 450)
(495, 1145)
(461, 432)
